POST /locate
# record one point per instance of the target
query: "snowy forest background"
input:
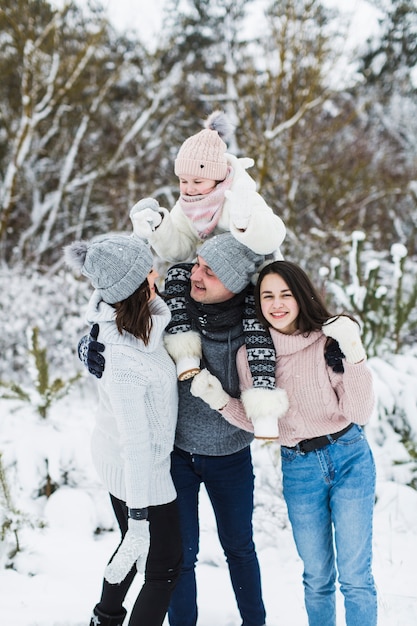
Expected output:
(91, 119)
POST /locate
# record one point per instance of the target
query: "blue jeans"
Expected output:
(229, 482)
(330, 497)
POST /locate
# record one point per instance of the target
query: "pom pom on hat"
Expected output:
(233, 263)
(219, 122)
(75, 254)
(204, 154)
(115, 264)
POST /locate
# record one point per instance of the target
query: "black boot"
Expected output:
(102, 619)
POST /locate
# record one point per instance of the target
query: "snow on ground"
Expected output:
(56, 578)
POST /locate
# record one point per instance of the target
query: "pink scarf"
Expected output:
(204, 211)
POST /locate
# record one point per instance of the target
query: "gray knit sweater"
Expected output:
(200, 429)
(137, 410)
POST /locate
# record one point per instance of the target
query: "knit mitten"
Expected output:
(146, 217)
(264, 407)
(347, 334)
(240, 208)
(89, 352)
(185, 350)
(334, 356)
(209, 388)
(133, 549)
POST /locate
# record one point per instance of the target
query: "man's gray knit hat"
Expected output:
(233, 263)
(115, 264)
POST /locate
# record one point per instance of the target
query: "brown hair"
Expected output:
(133, 315)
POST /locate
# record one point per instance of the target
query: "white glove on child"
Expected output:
(347, 334)
(134, 548)
(240, 210)
(145, 217)
(209, 388)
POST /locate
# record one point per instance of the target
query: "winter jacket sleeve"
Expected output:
(265, 231)
(175, 239)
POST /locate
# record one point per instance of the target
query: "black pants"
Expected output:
(163, 567)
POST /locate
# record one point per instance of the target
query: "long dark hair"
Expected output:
(313, 311)
(133, 315)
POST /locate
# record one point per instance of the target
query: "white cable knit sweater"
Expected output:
(321, 401)
(137, 410)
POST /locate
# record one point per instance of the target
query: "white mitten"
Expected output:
(347, 334)
(240, 209)
(264, 407)
(145, 203)
(145, 217)
(209, 388)
(185, 350)
(133, 549)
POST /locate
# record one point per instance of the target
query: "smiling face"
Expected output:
(205, 286)
(192, 186)
(278, 305)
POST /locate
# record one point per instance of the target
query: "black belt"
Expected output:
(308, 445)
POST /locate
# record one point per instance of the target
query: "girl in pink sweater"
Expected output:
(327, 465)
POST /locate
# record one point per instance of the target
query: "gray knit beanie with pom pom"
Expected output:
(204, 154)
(115, 264)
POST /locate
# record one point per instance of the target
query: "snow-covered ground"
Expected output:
(56, 578)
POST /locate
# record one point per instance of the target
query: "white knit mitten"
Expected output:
(185, 350)
(240, 208)
(209, 388)
(145, 217)
(133, 549)
(347, 334)
(264, 407)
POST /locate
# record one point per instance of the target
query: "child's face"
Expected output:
(278, 305)
(192, 186)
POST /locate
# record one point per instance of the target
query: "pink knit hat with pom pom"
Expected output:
(203, 155)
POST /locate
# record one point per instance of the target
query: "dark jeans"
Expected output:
(163, 567)
(229, 482)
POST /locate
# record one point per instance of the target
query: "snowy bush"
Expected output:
(12, 519)
(381, 294)
(43, 390)
(53, 304)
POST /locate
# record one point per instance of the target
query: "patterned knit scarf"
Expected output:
(204, 211)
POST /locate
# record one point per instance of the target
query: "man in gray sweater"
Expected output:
(208, 450)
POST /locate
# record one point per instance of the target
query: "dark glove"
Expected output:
(89, 352)
(334, 356)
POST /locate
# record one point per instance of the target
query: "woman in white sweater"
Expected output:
(327, 466)
(135, 426)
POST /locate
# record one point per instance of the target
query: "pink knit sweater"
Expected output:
(321, 402)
